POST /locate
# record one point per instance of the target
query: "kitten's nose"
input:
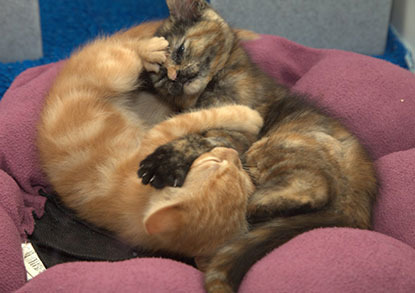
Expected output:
(172, 73)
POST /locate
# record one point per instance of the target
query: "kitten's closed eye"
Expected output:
(206, 161)
(178, 54)
(219, 155)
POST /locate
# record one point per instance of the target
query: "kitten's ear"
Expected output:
(164, 220)
(186, 9)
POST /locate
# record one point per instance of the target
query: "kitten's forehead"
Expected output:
(206, 21)
(186, 9)
(200, 37)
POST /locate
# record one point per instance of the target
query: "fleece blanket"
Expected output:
(375, 99)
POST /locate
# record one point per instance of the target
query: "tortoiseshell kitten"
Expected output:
(309, 170)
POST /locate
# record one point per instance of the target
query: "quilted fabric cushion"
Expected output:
(375, 99)
(325, 260)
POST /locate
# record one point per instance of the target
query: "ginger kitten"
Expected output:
(97, 125)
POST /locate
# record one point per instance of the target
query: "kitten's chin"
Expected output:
(195, 86)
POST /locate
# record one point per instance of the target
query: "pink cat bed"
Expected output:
(375, 99)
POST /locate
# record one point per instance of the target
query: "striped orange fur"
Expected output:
(99, 122)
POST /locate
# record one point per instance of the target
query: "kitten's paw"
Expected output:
(253, 120)
(164, 167)
(151, 67)
(155, 50)
(154, 53)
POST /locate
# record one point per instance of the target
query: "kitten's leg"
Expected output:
(111, 66)
(175, 143)
(152, 52)
(293, 176)
(170, 163)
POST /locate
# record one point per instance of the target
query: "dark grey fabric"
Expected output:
(60, 237)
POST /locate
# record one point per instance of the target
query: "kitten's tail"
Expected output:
(230, 264)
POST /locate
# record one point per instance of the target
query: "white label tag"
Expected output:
(32, 262)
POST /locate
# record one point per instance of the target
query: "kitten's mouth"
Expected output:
(178, 82)
(189, 81)
(186, 79)
(175, 76)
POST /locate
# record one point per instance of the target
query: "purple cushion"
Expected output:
(11, 263)
(138, 275)
(335, 260)
(375, 99)
(394, 210)
(324, 260)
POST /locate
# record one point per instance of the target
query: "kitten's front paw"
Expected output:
(154, 53)
(164, 167)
